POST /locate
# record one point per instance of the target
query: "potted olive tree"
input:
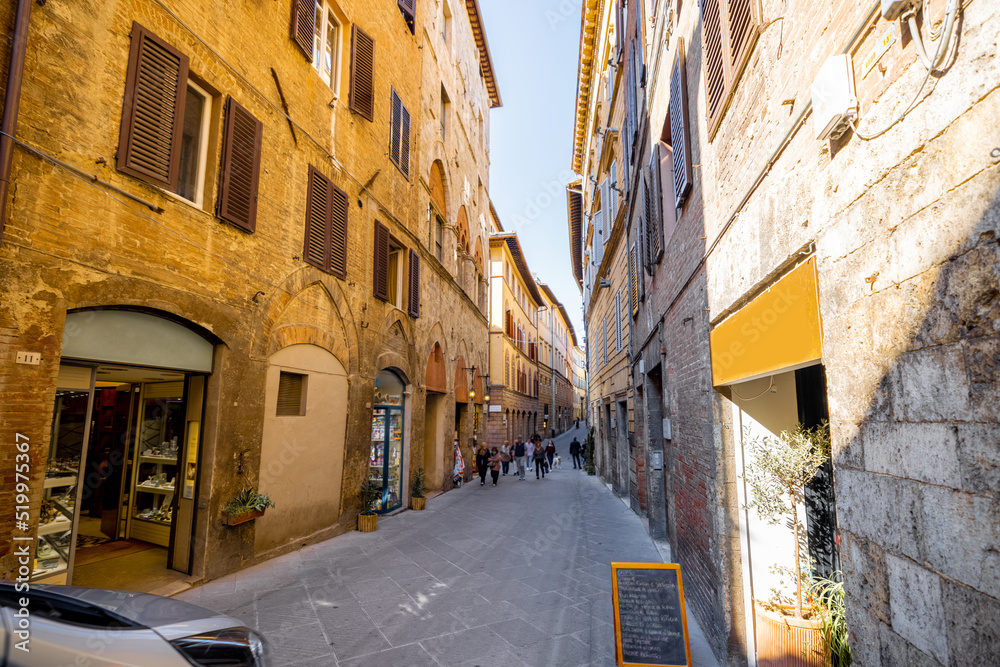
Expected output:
(417, 500)
(246, 506)
(371, 493)
(777, 477)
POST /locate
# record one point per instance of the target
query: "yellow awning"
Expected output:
(779, 330)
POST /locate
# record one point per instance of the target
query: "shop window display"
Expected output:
(385, 462)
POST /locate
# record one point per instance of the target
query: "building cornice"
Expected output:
(590, 26)
(485, 60)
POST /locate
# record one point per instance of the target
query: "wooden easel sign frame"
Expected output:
(649, 599)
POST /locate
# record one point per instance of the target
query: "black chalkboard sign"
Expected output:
(650, 620)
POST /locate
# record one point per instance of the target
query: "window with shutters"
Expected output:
(633, 280)
(729, 32)
(361, 98)
(618, 321)
(676, 133)
(605, 340)
(413, 298)
(613, 191)
(291, 395)
(380, 261)
(438, 239)
(326, 225)
(152, 129)
(408, 8)
(446, 22)
(239, 174)
(327, 44)
(395, 274)
(651, 203)
(399, 140)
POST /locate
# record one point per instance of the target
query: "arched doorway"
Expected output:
(125, 453)
(386, 459)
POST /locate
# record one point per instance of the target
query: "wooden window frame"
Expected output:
(716, 17)
(282, 407)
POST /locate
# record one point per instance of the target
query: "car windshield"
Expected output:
(63, 609)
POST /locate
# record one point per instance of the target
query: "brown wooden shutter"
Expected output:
(152, 110)
(317, 244)
(655, 213)
(414, 284)
(633, 281)
(381, 260)
(409, 10)
(680, 132)
(399, 131)
(240, 170)
(304, 25)
(326, 225)
(362, 92)
(714, 59)
(404, 140)
(290, 394)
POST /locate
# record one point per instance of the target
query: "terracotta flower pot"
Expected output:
(367, 523)
(418, 503)
(229, 520)
(787, 641)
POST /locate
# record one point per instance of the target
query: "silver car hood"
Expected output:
(170, 618)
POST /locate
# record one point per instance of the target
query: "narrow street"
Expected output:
(513, 575)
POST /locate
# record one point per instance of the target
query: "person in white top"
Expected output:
(529, 449)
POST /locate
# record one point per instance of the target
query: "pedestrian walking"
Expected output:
(482, 464)
(505, 457)
(495, 462)
(529, 451)
(539, 458)
(550, 453)
(576, 424)
(521, 458)
(574, 451)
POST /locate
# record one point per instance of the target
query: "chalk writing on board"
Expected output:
(649, 610)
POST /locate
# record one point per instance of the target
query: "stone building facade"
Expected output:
(283, 289)
(805, 277)
(556, 338)
(514, 369)
(598, 222)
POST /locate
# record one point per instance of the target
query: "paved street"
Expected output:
(513, 575)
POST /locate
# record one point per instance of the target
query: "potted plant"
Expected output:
(782, 466)
(371, 494)
(417, 500)
(827, 596)
(246, 506)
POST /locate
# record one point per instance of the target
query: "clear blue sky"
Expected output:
(535, 45)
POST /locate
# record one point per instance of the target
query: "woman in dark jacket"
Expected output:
(482, 464)
(495, 460)
(539, 457)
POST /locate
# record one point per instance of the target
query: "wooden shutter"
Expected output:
(729, 31)
(326, 225)
(680, 133)
(240, 170)
(654, 215)
(618, 320)
(633, 280)
(304, 25)
(290, 403)
(381, 262)
(152, 110)
(620, 30)
(361, 97)
(414, 284)
(630, 111)
(409, 10)
(399, 131)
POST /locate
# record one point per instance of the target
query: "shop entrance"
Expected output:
(119, 495)
(386, 461)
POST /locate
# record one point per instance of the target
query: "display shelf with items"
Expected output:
(156, 464)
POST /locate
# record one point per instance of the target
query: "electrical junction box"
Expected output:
(667, 433)
(833, 100)
(892, 9)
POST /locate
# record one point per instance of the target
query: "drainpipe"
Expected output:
(8, 124)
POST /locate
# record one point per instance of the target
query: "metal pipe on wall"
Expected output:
(12, 101)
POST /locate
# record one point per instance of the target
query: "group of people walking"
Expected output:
(524, 454)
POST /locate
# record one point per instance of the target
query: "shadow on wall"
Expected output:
(918, 481)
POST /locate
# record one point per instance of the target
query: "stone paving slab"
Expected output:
(513, 575)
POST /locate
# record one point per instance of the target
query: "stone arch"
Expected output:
(394, 361)
(436, 183)
(281, 321)
(462, 227)
(395, 324)
(477, 386)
